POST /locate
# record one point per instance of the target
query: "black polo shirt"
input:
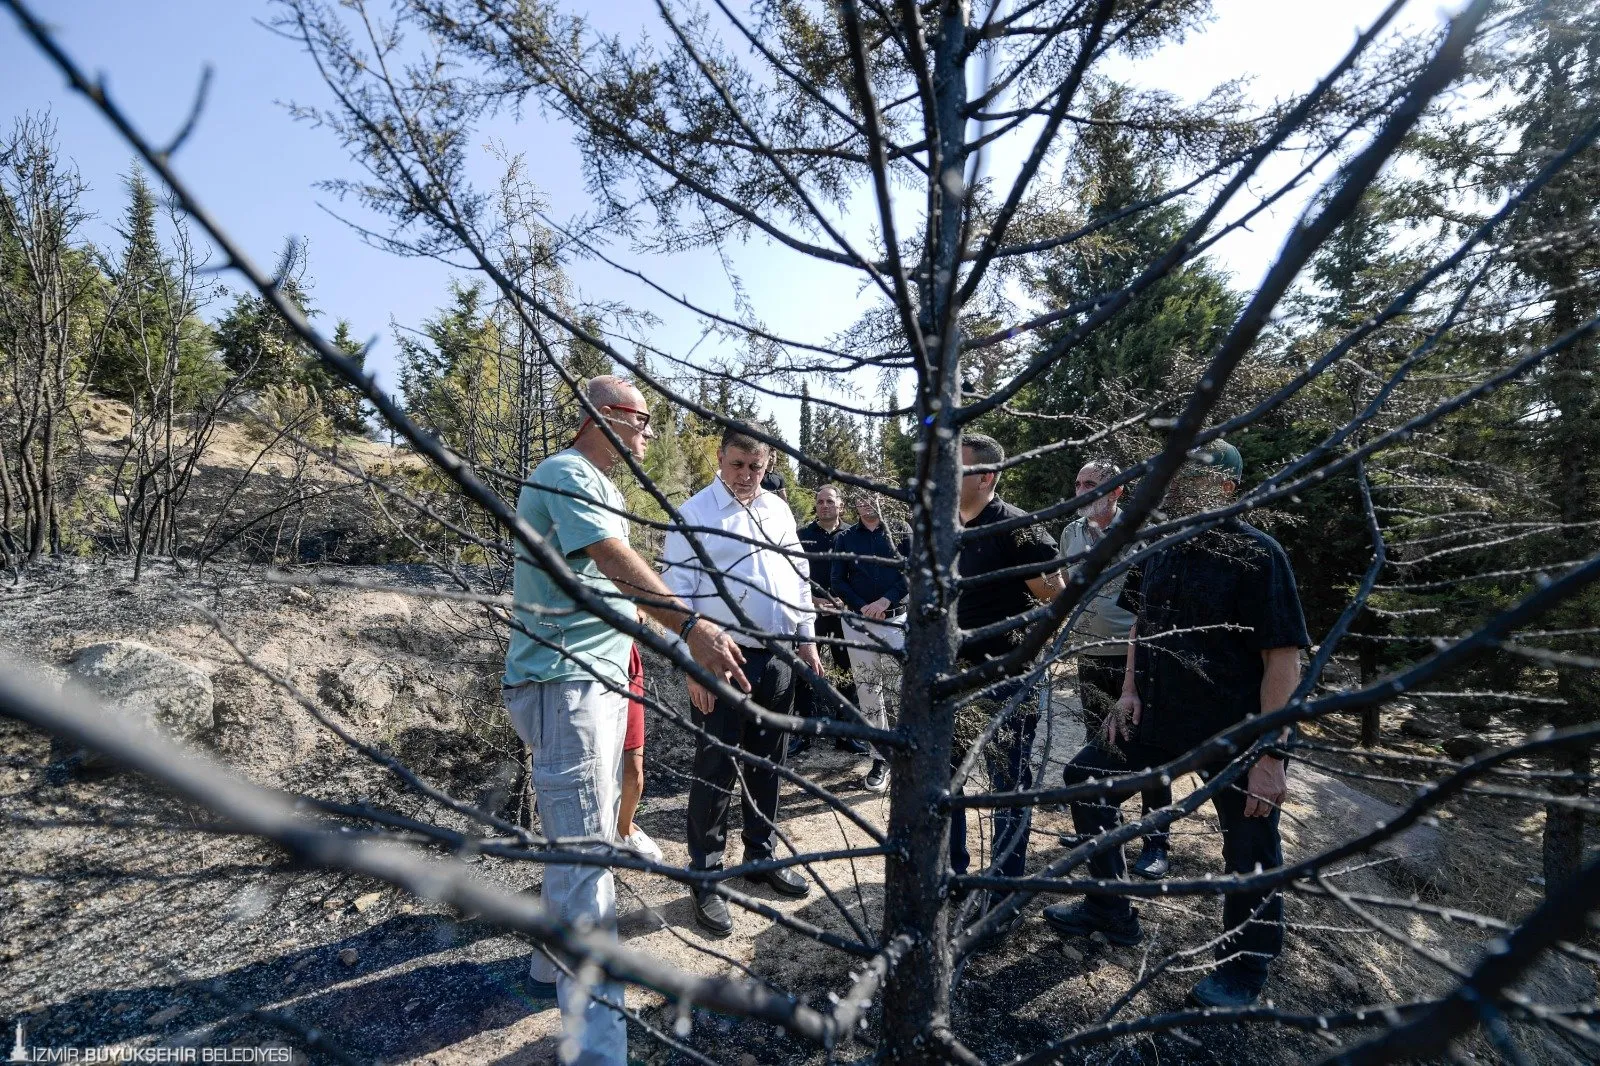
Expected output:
(818, 541)
(996, 601)
(1234, 579)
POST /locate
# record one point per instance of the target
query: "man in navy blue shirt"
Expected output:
(871, 580)
(1216, 640)
(819, 538)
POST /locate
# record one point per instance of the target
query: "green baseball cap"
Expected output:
(1221, 456)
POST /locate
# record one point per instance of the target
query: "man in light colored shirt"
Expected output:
(1102, 635)
(567, 685)
(773, 590)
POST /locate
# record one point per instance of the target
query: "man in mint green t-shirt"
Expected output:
(567, 682)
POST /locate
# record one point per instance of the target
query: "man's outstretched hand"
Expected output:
(713, 649)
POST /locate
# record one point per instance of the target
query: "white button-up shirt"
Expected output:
(773, 589)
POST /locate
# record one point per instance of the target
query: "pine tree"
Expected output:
(348, 410)
(255, 341)
(1186, 312)
(135, 339)
(1556, 249)
(808, 477)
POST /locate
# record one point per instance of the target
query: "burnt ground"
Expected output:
(128, 918)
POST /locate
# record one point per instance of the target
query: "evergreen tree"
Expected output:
(837, 440)
(1552, 72)
(155, 319)
(808, 477)
(348, 410)
(1124, 364)
(255, 341)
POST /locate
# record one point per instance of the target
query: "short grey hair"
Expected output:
(742, 435)
(605, 389)
(835, 489)
(1103, 467)
(986, 451)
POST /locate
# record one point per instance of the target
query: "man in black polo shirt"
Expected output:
(820, 539)
(1218, 634)
(992, 604)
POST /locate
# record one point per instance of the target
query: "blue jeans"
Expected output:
(574, 730)
(1007, 759)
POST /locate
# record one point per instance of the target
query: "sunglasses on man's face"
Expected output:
(644, 416)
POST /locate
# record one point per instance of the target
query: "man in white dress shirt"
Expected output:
(774, 591)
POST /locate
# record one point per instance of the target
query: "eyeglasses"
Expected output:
(644, 416)
(1084, 486)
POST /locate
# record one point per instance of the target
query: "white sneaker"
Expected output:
(639, 841)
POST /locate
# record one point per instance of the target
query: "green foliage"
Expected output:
(1121, 367)
(156, 342)
(256, 343)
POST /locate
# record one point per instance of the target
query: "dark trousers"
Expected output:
(1099, 688)
(1246, 844)
(1006, 758)
(717, 773)
(806, 700)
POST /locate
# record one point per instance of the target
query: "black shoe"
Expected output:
(783, 881)
(711, 914)
(1084, 919)
(850, 744)
(1152, 862)
(877, 779)
(1228, 986)
(538, 989)
(798, 746)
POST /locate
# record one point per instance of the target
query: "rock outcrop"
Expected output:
(150, 688)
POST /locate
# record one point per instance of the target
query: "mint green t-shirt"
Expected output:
(570, 520)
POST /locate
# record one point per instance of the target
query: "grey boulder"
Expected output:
(149, 688)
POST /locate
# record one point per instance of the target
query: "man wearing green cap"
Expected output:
(1216, 639)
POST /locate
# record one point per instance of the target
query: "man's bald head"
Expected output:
(620, 406)
(607, 389)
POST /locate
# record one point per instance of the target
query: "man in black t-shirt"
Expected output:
(988, 610)
(1218, 635)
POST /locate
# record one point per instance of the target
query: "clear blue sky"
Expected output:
(256, 167)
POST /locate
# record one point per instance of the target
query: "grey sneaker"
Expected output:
(1152, 863)
(877, 779)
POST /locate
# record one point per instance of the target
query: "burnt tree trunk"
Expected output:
(916, 900)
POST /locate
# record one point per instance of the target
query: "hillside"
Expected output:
(130, 919)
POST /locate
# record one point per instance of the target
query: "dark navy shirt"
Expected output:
(996, 601)
(817, 542)
(1236, 581)
(860, 581)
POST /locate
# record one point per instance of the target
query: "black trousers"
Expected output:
(717, 774)
(1099, 688)
(806, 700)
(1246, 844)
(1008, 760)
